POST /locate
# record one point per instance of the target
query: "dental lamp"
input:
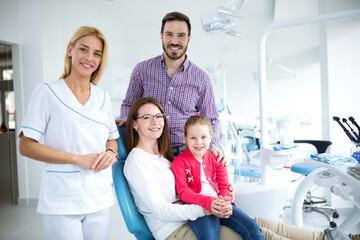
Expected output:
(223, 19)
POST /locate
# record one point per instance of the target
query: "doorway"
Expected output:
(9, 191)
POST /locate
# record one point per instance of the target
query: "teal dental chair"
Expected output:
(135, 222)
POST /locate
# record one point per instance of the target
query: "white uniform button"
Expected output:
(209, 179)
(171, 88)
(168, 102)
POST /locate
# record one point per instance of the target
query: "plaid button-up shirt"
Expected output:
(188, 92)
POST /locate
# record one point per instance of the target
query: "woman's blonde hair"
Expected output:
(132, 136)
(82, 32)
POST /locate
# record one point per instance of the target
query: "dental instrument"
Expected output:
(352, 130)
(352, 120)
(352, 138)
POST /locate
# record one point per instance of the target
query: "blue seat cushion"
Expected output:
(252, 146)
(303, 168)
(249, 171)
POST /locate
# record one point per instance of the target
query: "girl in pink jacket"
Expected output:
(201, 180)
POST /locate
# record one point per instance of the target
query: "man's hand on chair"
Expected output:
(120, 122)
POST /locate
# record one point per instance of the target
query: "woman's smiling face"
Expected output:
(149, 128)
(85, 56)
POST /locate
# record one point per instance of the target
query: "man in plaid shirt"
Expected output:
(181, 87)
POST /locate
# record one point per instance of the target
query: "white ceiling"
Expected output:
(259, 14)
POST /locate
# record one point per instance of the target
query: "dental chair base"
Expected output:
(322, 178)
(335, 234)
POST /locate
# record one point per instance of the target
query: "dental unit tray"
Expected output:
(355, 171)
(279, 147)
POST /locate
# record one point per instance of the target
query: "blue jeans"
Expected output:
(208, 227)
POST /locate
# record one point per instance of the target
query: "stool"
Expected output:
(312, 203)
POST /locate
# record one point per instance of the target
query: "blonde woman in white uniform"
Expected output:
(69, 126)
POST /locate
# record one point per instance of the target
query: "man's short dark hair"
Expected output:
(176, 16)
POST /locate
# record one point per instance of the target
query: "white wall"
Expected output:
(57, 29)
(41, 29)
(23, 31)
(9, 21)
(344, 75)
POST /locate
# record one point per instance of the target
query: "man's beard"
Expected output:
(174, 56)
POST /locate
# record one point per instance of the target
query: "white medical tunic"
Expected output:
(56, 119)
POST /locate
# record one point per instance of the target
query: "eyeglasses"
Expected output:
(149, 117)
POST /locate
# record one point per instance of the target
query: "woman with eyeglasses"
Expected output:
(152, 183)
(148, 172)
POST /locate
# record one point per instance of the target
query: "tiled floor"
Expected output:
(23, 223)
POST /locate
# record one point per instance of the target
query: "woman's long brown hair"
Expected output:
(132, 137)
